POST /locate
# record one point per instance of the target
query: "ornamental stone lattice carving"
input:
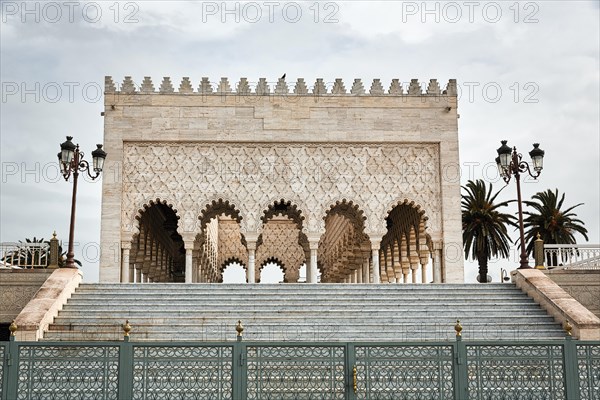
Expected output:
(215, 165)
(251, 176)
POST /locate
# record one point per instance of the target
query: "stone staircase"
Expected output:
(301, 312)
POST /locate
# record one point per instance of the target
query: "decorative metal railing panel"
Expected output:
(68, 372)
(488, 370)
(410, 372)
(182, 372)
(502, 372)
(24, 255)
(572, 256)
(2, 352)
(296, 372)
(588, 361)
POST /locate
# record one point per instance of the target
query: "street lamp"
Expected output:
(71, 162)
(509, 163)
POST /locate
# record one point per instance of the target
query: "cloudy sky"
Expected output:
(527, 72)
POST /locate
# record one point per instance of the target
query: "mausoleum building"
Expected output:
(360, 184)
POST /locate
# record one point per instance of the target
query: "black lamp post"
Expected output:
(509, 164)
(71, 162)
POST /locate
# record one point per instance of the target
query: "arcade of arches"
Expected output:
(159, 252)
(357, 184)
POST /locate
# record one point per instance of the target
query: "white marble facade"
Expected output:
(361, 185)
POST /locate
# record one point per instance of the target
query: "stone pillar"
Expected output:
(353, 276)
(375, 243)
(538, 252)
(312, 268)
(125, 246)
(366, 272)
(251, 267)
(414, 266)
(251, 240)
(424, 260)
(437, 265)
(54, 253)
(189, 247)
(131, 273)
(200, 271)
(397, 273)
(359, 274)
(405, 272)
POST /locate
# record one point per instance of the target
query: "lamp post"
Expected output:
(510, 163)
(71, 162)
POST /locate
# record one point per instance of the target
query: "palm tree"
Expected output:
(484, 227)
(554, 225)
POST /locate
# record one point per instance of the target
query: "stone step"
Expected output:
(282, 316)
(258, 311)
(337, 312)
(298, 302)
(242, 304)
(278, 332)
(306, 286)
(410, 293)
(349, 290)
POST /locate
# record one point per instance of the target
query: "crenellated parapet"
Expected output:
(262, 87)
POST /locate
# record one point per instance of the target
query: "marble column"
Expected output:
(251, 268)
(375, 243)
(125, 246)
(312, 267)
(366, 272)
(189, 247)
(437, 262)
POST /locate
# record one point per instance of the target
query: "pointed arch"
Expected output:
(283, 237)
(406, 223)
(342, 245)
(216, 208)
(349, 209)
(411, 203)
(219, 241)
(157, 247)
(232, 260)
(284, 207)
(233, 271)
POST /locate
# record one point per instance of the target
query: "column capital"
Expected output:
(251, 245)
(188, 237)
(126, 245)
(251, 236)
(313, 240)
(376, 237)
(375, 243)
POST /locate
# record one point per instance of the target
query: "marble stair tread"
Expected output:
(338, 312)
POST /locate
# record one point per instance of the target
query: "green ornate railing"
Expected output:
(545, 370)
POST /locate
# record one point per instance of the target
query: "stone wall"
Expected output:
(17, 288)
(583, 285)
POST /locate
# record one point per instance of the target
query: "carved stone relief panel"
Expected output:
(254, 175)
